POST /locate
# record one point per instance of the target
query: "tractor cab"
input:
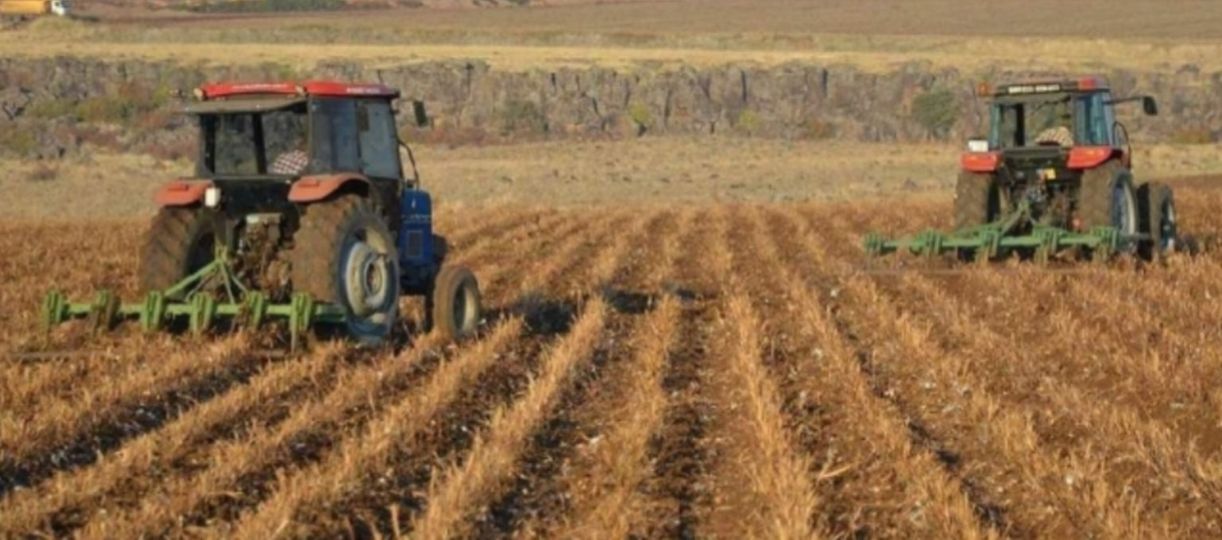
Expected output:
(1051, 130)
(289, 131)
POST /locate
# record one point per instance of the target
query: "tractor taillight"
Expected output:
(212, 197)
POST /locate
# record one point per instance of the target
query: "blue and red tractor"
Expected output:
(300, 209)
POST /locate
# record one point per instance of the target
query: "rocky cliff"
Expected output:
(48, 105)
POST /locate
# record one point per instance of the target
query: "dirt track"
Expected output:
(707, 370)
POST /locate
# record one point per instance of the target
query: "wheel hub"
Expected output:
(367, 279)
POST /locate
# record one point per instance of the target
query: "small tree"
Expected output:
(937, 111)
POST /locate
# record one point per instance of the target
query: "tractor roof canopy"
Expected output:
(307, 88)
(1028, 88)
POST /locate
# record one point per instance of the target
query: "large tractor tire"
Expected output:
(977, 200)
(453, 305)
(1107, 199)
(179, 242)
(1158, 219)
(344, 254)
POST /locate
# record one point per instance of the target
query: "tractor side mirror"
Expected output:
(1149, 105)
(977, 145)
(420, 114)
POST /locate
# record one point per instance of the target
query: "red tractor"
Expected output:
(1053, 175)
(299, 209)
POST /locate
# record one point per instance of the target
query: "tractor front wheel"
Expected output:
(179, 242)
(454, 304)
(344, 254)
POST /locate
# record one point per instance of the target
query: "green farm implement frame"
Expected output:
(1014, 233)
(188, 302)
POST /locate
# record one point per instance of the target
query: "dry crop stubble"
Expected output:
(530, 243)
(775, 492)
(60, 504)
(567, 255)
(867, 437)
(535, 493)
(734, 342)
(1086, 416)
(1069, 338)
(939, 391)
(542, 495)
(71, 432)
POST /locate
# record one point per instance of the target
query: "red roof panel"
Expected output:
(312, 88)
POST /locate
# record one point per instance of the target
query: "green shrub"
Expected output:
(18, 142)
(936, 111)
(748, 121)
(639, 113)
(126, 105)
(522, 116)
(105, 110)
(52, 109)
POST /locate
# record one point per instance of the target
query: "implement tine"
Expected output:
(104, 311)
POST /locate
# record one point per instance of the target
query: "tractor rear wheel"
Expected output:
(179, 242)
(977, 200)
(1107, 199)
(453, 305)
(1158, 215)
(344, 254)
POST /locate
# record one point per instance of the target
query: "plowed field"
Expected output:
(697, 371)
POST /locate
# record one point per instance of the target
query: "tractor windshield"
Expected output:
(254, 143)
(1056, 120)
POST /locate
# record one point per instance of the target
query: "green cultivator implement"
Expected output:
(1017, 234)
(193, 302)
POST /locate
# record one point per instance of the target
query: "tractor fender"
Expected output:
(318, 187)
(1089, 157)
(980, 162)
(181, 192)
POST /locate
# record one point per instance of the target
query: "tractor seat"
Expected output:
(1058, 135)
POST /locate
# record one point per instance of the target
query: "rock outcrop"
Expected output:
(465, 99)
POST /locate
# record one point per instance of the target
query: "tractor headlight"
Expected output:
(212, 197)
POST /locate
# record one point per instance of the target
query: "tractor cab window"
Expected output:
(379, 140)
(333, 127)
(230, 145)
(1056, 120)
(1094, 119)
(285, 138)
(253, 143)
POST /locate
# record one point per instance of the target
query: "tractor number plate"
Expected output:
(1048, 174)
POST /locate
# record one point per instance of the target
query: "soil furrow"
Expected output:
(67, 500)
